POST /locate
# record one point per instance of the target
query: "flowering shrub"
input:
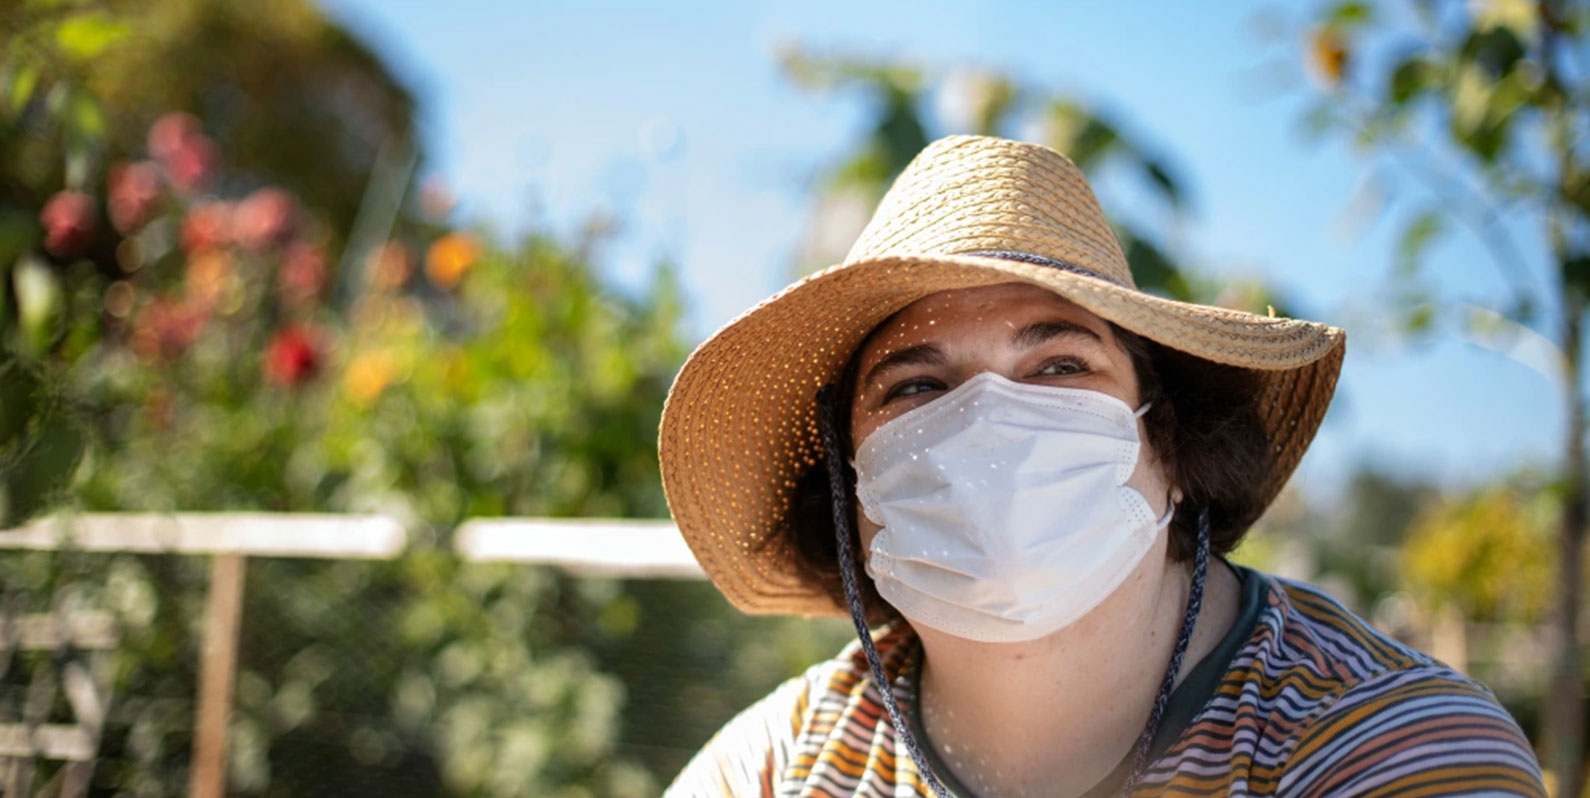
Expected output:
(229, 362)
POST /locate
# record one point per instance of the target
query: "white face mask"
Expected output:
(1004, 506)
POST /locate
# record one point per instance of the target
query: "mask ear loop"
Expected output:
(847, 575)
(1195, 597)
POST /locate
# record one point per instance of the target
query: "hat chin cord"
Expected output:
(847, 573)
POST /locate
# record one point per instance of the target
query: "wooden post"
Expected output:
(217, 671)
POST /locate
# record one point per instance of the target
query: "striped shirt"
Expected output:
(1301, 698)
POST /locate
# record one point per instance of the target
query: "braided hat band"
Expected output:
(740, 426)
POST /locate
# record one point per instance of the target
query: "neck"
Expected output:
(1055, 715)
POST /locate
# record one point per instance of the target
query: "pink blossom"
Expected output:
(264, 217)
(208, 225)
(302, 275)
(134, 190)
(178, 143)
(68, 220)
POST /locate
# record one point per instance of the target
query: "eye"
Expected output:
(1061, 367)
(911, 387)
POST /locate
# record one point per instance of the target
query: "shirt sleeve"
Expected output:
(747, 757)
(1425, 731)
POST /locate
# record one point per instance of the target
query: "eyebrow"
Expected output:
(931, 355)
(1035, 334)
(919, 355)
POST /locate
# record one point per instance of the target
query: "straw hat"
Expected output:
(739, 426)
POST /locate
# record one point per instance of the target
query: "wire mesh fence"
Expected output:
(470, 670)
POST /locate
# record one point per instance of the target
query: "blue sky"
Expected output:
(675, 117)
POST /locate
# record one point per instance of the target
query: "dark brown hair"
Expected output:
(1203, 427)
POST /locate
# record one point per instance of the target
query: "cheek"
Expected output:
(863, 423)
(1148, 479)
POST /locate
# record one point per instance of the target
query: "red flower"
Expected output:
(264, 217)
(188, 157)
(134, 189)
(208, 225)
(293, 357)
(302, 275)
(68, 220)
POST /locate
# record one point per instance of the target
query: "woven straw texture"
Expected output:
(739, 426)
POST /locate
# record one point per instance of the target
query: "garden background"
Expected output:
(436, 265)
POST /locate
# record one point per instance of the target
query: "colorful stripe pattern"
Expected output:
(1315, 703)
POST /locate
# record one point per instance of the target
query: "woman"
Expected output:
(977, 435)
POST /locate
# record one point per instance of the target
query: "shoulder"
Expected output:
(1316, 628)
(1411, 731)
(755, 751)
(1384, 718)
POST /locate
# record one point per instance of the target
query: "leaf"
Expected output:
(1093, 143)
(1416, 237)
(18, 403)
(19, 89)
(1472, 122)
(88, 119)
(1350, 14)
(1159, 174)
(1151, 269)
(1411, 78)
(1576, 276)
(1419, 318)
(39, 298)
(1496, 51)
(900, 135)
(43, 471)
(1576, 188)
(85, 36)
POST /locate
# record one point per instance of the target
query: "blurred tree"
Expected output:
(910, 105)
(1487, 554)
(1485, 108)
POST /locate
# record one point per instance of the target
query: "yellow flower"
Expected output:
(368, 375)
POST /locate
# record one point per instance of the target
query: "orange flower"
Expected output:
(209, 277)
(1328, 54)
(450, 257)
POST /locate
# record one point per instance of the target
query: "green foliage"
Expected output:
(1488, 554)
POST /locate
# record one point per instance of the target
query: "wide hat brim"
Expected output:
(739, 427)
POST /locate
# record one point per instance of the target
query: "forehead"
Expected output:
(969, 311)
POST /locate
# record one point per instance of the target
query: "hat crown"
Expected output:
(980, 194)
